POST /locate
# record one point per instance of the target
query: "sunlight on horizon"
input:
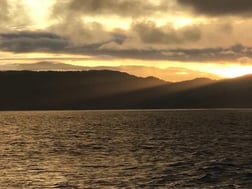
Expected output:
(218, 70)
(234, 71)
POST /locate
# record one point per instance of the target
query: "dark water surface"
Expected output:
(126, 149)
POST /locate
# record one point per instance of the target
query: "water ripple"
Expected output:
(126, 149)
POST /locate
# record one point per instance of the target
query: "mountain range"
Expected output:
(106, 89)
(168, 74)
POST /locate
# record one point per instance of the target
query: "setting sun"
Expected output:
(234, 71)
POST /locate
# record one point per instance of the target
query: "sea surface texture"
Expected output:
(126, 149)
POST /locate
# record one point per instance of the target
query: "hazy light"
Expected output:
(182, 21)
(234, 71)
(39, 11)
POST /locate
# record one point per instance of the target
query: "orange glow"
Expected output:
(234, 71)
(210, 69)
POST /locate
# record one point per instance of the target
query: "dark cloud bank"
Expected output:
(58, 38)
(150, 33)
(27, 41)
(20, 42)
(136, 8)
(220, 7)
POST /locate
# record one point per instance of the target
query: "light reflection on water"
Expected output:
(131, 149)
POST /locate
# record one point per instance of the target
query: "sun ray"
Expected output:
(39, 11)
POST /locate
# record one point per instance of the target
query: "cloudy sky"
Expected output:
(196, 36)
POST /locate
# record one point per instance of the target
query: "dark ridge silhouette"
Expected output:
(66, 90)
(167, 74)
(27, 90)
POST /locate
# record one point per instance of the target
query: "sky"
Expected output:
(209, 38)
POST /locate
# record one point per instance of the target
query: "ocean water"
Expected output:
(126, 149)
